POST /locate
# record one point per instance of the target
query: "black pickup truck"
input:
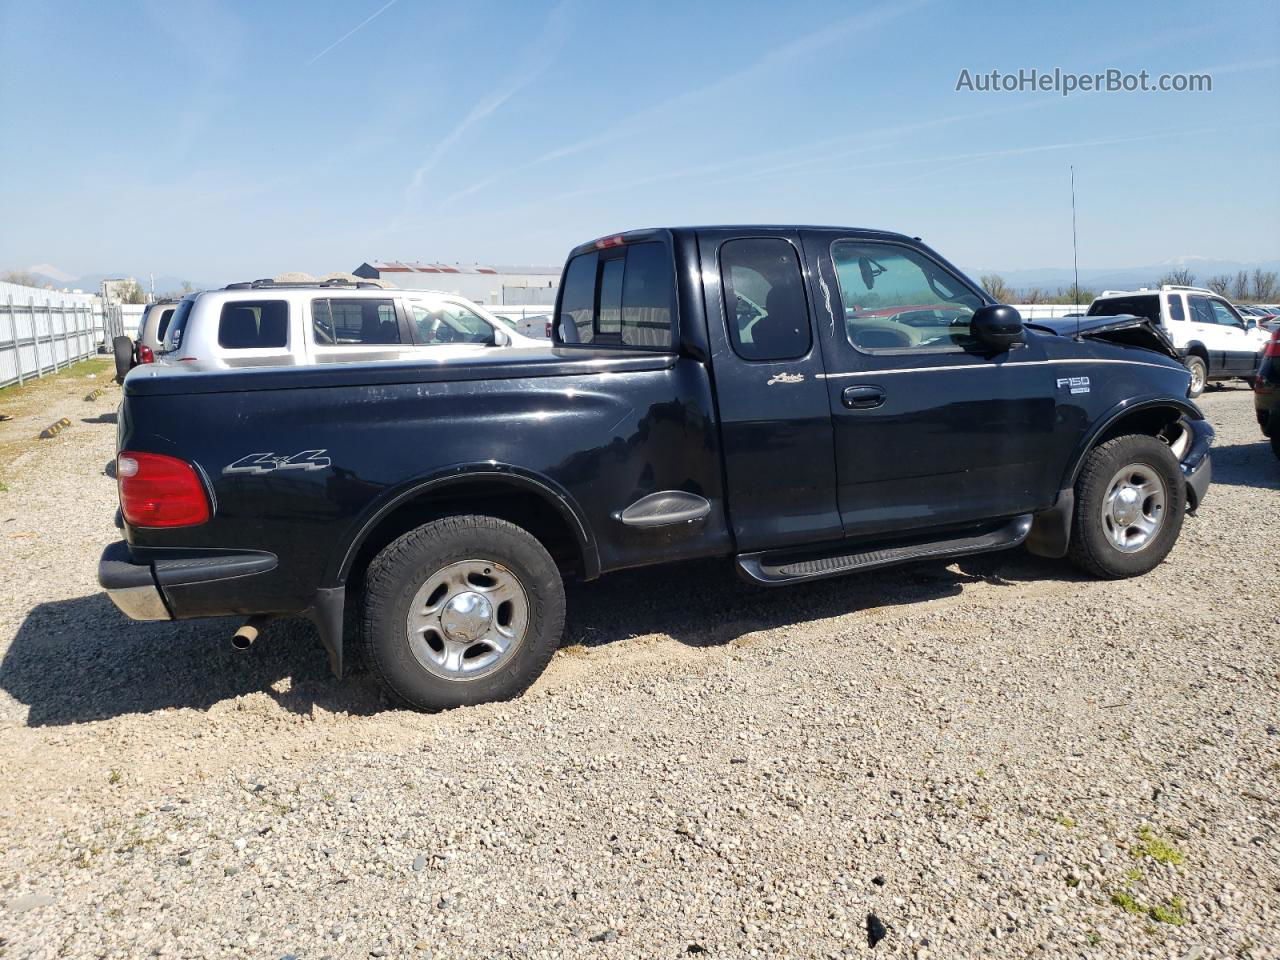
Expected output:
(805, 401)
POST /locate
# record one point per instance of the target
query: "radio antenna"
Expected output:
(1075, 249)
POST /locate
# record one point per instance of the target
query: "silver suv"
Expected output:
(264, 323)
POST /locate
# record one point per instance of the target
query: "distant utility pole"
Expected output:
(153, 288)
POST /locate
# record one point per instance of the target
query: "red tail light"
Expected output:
(145, 355)
(1272, 349)
(160, 491)
(548, 329)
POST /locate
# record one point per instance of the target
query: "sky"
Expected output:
(224, 140)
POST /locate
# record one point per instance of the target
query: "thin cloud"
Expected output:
(554, 33)
(800, 49)
(961, 159)
(814, 153)
(359, 26)
(1247, 66)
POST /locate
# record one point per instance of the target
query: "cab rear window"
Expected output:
(625, 297)
(1144, 306)
(253, 325)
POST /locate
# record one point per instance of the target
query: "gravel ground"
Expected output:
(995, 757)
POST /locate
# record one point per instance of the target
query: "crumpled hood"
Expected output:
(1125, 329)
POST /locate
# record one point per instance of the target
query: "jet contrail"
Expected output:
(363, 23)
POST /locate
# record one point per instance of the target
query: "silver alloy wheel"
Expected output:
(1133, 508)
(1197, 377)
(467, 620)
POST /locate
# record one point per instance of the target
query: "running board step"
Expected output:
(774, 568)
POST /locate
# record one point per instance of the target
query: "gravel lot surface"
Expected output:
(992, 758)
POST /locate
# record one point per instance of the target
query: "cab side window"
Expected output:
(339, 321)
(764, 299)
(1175, 308)
(896, 298)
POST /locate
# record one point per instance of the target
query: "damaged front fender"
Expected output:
(1129, 331)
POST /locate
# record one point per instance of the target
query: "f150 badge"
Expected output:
(1076, 384)
(258, 463)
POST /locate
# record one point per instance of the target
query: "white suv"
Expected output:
(264, 323)
(1212, 338)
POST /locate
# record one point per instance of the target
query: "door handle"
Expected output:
(862, 397)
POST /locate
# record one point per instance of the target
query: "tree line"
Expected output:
(1259, 286)
(994, 284)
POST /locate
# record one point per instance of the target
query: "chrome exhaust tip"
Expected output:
(245, 637)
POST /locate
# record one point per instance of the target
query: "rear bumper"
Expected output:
(131, 586)
(142, 587)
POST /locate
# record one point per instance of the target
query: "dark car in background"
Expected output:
(1266, 393)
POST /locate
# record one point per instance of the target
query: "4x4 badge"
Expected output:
(271, 462)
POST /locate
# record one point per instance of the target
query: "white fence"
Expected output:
(42, 331)
(1046, 311)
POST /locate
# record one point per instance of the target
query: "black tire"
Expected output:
(408, 564)
(1199, 375)
(122, 347)
(1091, 547)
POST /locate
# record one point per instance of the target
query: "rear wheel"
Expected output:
(1199, 375)
(460, 611)
(1130, 500)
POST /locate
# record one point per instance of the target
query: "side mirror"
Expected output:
(997, 326)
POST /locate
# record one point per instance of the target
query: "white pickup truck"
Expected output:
(1214, 341)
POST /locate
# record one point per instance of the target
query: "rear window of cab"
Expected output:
(623, 296)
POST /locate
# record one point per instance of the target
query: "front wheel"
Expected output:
(460, 611)
(1130, 501)
(1199, 371)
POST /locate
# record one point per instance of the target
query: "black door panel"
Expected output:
(953, 436)
(775, 424)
